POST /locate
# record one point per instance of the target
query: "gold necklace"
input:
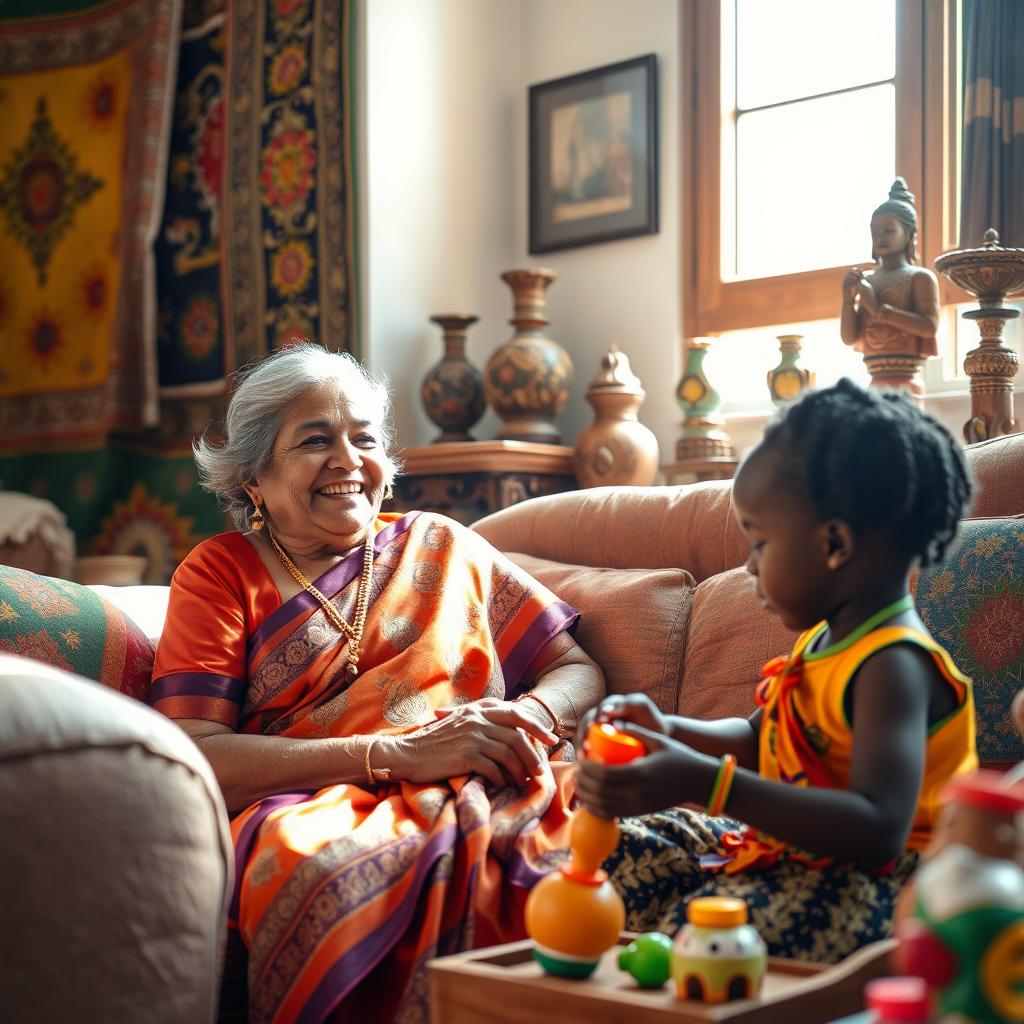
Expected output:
(354, 632)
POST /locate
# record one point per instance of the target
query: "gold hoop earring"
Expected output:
(257, 520)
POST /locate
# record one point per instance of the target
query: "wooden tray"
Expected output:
(505, 985)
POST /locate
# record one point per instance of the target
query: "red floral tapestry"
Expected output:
(85, 103)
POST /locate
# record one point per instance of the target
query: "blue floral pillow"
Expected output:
(973, 604)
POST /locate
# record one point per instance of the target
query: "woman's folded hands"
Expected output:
(498, 739)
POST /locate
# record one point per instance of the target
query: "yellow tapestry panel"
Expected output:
(62, 202)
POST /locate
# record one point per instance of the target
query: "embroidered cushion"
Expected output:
(973, 604)
(69, 626)
(632, 621)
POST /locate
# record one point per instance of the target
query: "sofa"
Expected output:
(668, 609)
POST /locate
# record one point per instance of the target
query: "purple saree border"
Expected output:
(556, 618)
(197, 684)
(347, 972)
(330, 583)
(247, 837)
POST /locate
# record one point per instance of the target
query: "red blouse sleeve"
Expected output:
(200, 668)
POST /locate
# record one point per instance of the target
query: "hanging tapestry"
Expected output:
(254, 245)
(85, 91)
(257, 242)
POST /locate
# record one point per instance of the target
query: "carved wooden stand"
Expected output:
(991, 274)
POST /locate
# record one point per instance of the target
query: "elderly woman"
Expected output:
(382, 697)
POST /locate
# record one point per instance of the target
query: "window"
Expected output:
(800, 114)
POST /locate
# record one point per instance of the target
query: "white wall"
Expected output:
(441, 84)
(445, 201)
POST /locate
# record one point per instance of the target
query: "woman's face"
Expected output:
(888, 234)
(327, 476)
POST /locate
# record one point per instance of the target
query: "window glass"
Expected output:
(808, 176)
(786, 49)
(738, 362)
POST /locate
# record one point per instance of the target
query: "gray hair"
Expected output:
(263, 393)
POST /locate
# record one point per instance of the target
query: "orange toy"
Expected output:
(574, 915)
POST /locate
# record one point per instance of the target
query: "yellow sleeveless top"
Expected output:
(806, 739)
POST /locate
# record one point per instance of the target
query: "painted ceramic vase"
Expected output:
(616, 448)
(718, 956)
(527, 379)
(453, 391)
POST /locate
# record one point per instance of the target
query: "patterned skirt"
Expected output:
(820, 915)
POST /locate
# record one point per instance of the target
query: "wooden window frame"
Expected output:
(927, 114)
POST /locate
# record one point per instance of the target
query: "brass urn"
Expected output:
(991, 273)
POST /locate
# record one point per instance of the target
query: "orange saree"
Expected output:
(343, 894)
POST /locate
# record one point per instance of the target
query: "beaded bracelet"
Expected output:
(558, 726)
(723, 784)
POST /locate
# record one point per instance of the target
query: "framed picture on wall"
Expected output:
(594, 156)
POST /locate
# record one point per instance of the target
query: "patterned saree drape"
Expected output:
(993, 130)
(175, 201)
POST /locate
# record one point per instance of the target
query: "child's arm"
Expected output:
(868, 822)
(717, 737)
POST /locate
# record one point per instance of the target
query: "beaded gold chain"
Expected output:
(354, 632)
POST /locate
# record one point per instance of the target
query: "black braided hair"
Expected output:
(876, 461)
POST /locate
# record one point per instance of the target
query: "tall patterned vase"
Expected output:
(527, 380)
(453, 391)
(702, 435)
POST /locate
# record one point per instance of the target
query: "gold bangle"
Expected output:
(374, 775)
(557, 726)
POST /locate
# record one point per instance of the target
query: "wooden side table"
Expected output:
(719, 467)
(470, 479)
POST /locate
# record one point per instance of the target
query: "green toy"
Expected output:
(648, 958)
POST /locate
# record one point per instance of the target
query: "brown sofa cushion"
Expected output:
(692, 527)
(633, 621)
(730, 637)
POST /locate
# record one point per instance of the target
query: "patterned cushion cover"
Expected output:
(67, 625)
(973, 604)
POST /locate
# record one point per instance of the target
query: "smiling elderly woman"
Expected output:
(394, 796)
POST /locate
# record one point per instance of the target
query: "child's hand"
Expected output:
(650, 783)
(637, 708)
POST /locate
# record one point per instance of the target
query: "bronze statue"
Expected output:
(891, 313)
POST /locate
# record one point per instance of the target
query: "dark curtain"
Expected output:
(993, 127)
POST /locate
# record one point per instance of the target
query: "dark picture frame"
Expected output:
(594, 156)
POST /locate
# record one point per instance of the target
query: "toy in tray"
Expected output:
(960, 921)
(718, 956)
(574, 915)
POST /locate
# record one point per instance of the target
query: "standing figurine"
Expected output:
(891, 313)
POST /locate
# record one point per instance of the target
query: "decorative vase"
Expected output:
(616, 448)
(527, 379)
(787, 380)
(991, 273)
(453, 391)
(702, 436)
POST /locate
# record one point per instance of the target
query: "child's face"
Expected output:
(786, 557)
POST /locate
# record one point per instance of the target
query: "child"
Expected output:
(836, 775)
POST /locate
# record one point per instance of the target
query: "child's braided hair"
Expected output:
(876, 461)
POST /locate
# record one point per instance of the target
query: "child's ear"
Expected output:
(838, 541)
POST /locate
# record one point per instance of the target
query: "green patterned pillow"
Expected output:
(973, 604)
(69, 626)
